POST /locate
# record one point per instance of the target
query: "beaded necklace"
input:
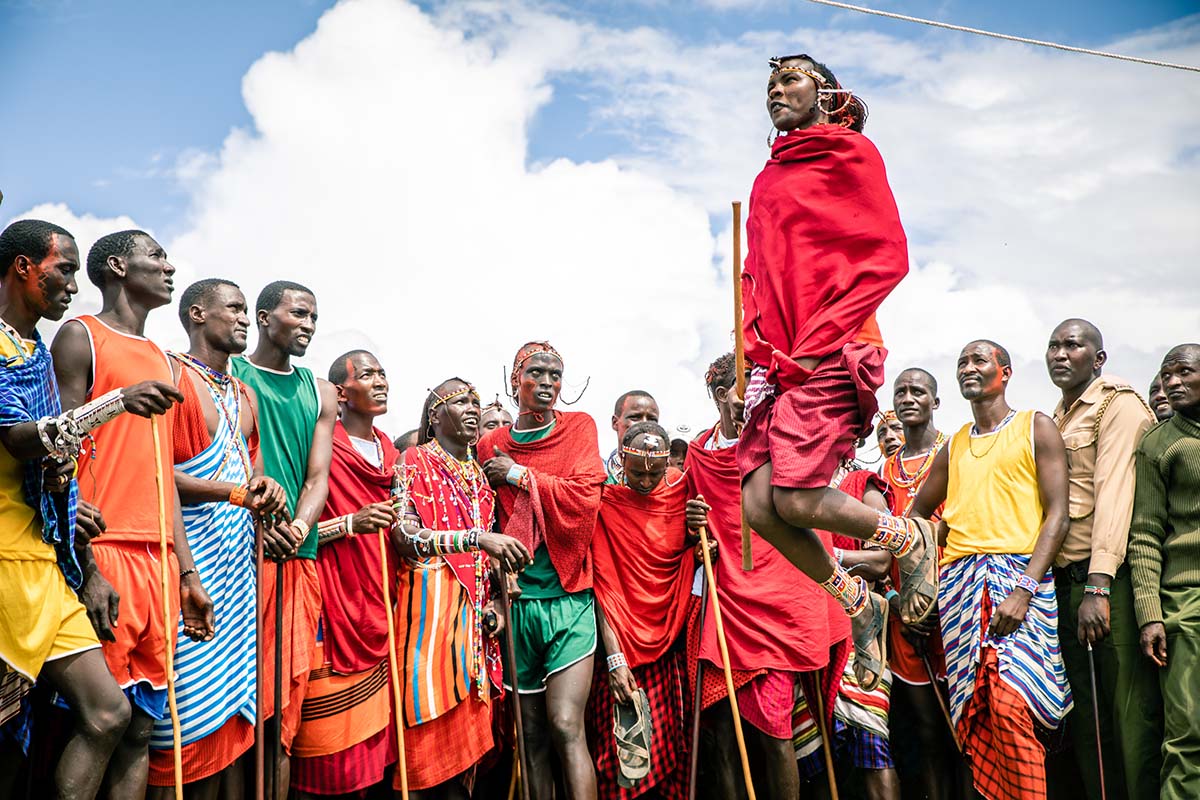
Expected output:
(17, 340)
(218, 384)
(466, 481)
(899, 476)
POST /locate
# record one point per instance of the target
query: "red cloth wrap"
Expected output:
(560, 508)
(643, 566)
(772, 614)
(426, 489)
(352, 609)
(824, 248)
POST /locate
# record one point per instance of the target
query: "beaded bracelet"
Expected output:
(890, 594)
(430, 543)
(332, 529)
(1099, 591)
(518, 476)
(237, 496)
(616, 661)
(1028, 584)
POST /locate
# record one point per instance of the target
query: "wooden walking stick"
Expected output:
(696, 697)
(393, 664)
(826, 739)
(259, 702)
(933, 684)
(737, 717)
(739, 352)
(277, 726)
(511, 646)
(169, 626)
(1096, 719)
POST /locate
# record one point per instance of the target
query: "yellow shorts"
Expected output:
(41, 619)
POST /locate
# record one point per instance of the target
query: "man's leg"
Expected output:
(536, 724)
(937, 775)
(1136, 699)
(1180, 681)
(566, 696)
(102, 716)
(131, 760)
(881, 784)
(779, 777)
(723, 771)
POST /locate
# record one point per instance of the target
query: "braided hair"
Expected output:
(721, 372)
(846, 109)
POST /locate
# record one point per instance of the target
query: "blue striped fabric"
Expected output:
(215, 679)
(1030, 660)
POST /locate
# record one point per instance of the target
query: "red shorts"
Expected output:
(139, 652)
(806, 432)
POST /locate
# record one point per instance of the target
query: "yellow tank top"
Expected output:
(20, 536)
(992, 499)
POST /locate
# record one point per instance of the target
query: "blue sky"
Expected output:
(102, 97)
(447, 161)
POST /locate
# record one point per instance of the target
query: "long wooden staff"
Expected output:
(259, 700)
(826, 739)
(696, 695)
(737, 717)
(933, 684)
(169, 625)
(739, 351)
(511, 646)
(277, 726)
(393, 663)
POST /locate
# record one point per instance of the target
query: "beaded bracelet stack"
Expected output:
(336, 528)
(616, 661)
(1099, 591)
(1028, 584)
(429, 543)
(72, 426)
(518, 476)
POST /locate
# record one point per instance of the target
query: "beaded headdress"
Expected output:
(653, 449)
(527, 352)
(441, 400)
(884, 418)
(824, 86)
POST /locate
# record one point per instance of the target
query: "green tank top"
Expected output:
(540, 580)
(288, 407)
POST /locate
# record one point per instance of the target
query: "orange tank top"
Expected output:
(116, 469)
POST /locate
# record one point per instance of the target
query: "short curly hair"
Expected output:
(32, 238)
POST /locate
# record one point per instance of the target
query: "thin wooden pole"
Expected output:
(169, 625)
(737, 717)
(511, 646)
(933, 684)
(739, 352)
(393, 664)
(826, 744)
(259, 700)
(697, 699)
(277, 721)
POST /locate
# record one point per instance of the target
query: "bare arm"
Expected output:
(195, 604)
(316, 480)
(933, 491)
(620, 680)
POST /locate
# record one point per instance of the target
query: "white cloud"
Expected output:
(388, 168)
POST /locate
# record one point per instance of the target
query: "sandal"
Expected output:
(633, 730)
(922, 579)
(875, 633)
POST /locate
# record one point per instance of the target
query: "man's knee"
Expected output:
(798, 507)
(137, 734)
(566, 725)
(107, 717)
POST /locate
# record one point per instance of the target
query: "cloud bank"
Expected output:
(388, 168)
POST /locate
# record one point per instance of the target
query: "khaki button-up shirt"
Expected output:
(1100, 468)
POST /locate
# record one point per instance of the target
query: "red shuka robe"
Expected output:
(350, 568)
(643, 566)
(824, 248)
(560, 509)
(774, 616)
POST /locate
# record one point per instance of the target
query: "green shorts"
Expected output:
(550, 635)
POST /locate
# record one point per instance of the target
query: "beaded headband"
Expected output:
(820, 80)
(633, 451)
(527, 352)
(467, 389)
(884, 418)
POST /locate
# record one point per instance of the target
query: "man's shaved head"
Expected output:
(1183, 352)
(1086, 329)
(923, 373)
(1002, 356)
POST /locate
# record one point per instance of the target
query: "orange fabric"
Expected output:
(301, 610)
(191, 431)
(339, 711)
(870, 333)
(642, 566)
(442, 748)
(204, 758)
(139, 652)
(116, 470)
(903, 659)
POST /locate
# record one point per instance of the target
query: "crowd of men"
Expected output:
(210, 550)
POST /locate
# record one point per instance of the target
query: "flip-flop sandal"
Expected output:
(876, 633)
(633, 733)
(922, 579)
